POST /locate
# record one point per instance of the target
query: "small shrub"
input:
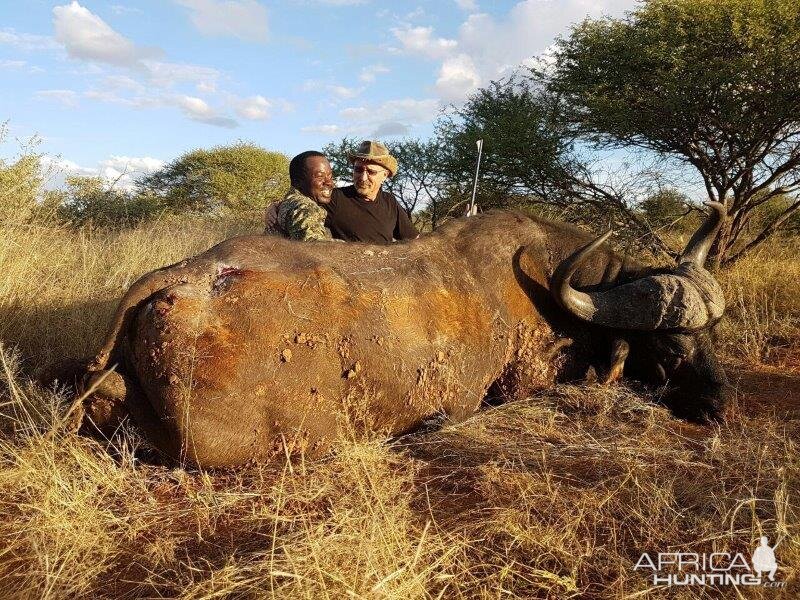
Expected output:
(21, 181)
(92, 199)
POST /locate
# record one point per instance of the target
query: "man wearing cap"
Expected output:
(363, 212)
(300, 215)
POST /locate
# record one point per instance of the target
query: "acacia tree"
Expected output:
(532, 158)
(238, 177)
(713, 83)
(527, 149)
(337, 152)
(665, 207)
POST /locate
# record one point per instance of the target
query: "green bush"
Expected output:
(238, 177)
(20, 184)
(92, 199)
(21, 181)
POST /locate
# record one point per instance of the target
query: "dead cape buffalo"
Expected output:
(262, 346)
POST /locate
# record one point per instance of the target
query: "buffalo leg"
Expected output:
(619, 354)
(114, 398)
(105, 406)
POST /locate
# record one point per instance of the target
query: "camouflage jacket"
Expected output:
(297, 217)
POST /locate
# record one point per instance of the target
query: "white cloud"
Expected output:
(322, 129)
(195, 107)
(206, 87)
(120, 9)
(86, 36)
(26, 41)
(12, 65)
(123, 82)
(333, 89)
(420, 40)
(68, 98)
(393, 117)
(344, 92)
(121, 171)
(417, 13)
(470, 5)
(60, 168)
(243, 19)
(256, 108)
(128, 92)
(488, 47)
(137, 101)
(370, 72)
(410, 109)
(199, 110)
(529, 28)
(458, 77)
(125, 169)
(167, 74)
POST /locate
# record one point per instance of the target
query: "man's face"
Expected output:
(318, 179)
(368, 177)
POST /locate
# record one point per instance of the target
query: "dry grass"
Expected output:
(59, 287)
(553, 497)
(763, 317)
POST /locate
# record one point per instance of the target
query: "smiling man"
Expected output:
(300, 215)
(363, 212)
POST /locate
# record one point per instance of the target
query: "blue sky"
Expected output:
(123, 86)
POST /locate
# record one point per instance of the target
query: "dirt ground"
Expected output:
(768, 390)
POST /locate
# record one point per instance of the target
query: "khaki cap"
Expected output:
(374, 152)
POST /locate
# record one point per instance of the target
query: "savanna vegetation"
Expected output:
(554, 496)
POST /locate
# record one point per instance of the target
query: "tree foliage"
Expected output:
(94, 200)
(665, 207)
(337, 153)
(21, 180)
(531, 159)
(20, 183)
(714, 83)
(238, 177)
(527, 151)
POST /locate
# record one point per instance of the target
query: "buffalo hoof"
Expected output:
(104, 408)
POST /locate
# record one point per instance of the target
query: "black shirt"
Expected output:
(355, 220)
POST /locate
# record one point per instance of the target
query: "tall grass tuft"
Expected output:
(762, 323)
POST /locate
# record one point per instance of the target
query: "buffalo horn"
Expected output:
(578, 303)
(687, 299)
(697, 249)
